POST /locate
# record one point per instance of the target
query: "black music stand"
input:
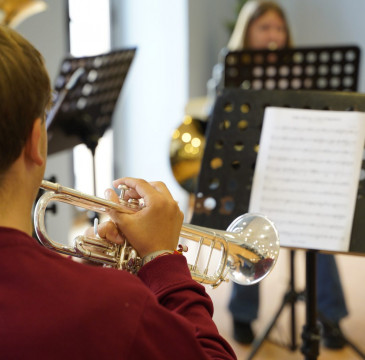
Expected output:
(227, 171)
(302, 68)
(328, 68)
(87, 91)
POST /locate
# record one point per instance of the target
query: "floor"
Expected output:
(273, 288)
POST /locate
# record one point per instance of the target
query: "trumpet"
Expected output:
(245, 253)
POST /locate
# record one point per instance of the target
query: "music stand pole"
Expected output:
(311, 332)
(71, 83)
(94, 169)
(92, 144)
(290, 298)
(294, 297)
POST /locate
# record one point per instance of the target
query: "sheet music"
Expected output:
(307, 175)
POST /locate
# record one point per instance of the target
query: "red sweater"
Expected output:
(54, 308)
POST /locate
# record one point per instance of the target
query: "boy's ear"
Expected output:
(33, 146)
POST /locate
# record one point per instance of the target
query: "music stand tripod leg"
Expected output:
(347, 341)
(258, 341)
(355, 348)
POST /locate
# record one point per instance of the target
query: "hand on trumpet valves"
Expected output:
(156, 226)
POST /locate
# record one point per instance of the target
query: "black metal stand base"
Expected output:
(290, 298)
(311, 330)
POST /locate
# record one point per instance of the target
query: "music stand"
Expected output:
(87, 91)
(302, 68)
(228, 165)
(331, 68)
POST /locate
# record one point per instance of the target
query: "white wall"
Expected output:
(155, 92)
(328, 22)
(177, 45)
(47, 31)
(208, 34)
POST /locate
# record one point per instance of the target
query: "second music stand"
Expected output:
(87, 90)
(330, 68)
(224, 184)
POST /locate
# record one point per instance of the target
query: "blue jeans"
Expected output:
(244, 302)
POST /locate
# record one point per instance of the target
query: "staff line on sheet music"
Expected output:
(302, 202)
(310, 150)
(307, 236)
(271, 211)
(300, 180)
(341, 141)
(311, 160)
(330, 229)
(304, 192)
(316, 130)
(311, 171)
(312, 225)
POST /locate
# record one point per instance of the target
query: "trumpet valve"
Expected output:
(98, 250)
(131, 203)
(123, 189)
(129, 259)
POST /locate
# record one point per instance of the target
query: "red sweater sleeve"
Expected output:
(188, 309)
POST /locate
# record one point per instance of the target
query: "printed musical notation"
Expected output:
(307, 174)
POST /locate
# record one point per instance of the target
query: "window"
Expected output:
(90, 35)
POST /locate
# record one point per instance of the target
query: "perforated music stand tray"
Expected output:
(301, 68)
(232, 140)
(87, 90)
